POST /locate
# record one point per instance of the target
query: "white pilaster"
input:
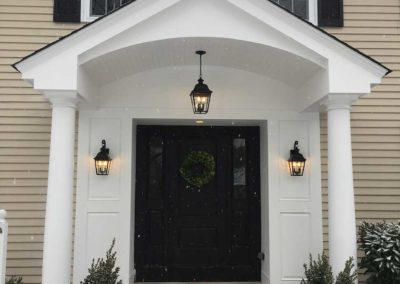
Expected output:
(342, 222)
(57, 251)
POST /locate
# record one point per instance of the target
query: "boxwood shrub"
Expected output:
(381, 245)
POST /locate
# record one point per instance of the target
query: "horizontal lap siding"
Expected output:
(373, 26)
(25, 121)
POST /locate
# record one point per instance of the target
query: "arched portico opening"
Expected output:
(163, 71)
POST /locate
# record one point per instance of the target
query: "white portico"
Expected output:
(266, 67)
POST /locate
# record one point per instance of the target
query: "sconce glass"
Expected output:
(102, 160)
(296, 161)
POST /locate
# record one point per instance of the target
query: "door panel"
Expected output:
(184, 233)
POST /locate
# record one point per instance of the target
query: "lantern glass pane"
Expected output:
(102, 167)
(296, 168)
(200, 103)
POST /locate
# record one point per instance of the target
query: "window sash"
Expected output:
(86, 8)
(109, 6)
(311, 9)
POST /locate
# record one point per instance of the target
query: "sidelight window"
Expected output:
(155, 178)
(239, 168)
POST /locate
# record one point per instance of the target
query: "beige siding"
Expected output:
(25, 118)
(373, 26)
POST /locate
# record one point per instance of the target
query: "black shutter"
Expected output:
(330, 13)
(67, 11)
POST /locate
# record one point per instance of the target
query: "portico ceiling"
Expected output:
(263, 60)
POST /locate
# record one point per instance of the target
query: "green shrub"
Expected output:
(14, 280)
(381, 245)
(104, 271)
(348, 275)
(320, 272)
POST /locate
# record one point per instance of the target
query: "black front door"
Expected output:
(187, 232)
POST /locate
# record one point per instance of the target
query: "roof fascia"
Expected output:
(283, 18)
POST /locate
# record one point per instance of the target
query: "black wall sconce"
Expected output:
(201, 94)
(102, 160)
(296, 161)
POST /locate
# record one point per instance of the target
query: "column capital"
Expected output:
(3, 214)
(339, 101)
(62, 98)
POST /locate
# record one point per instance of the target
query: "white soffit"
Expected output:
(247, 56)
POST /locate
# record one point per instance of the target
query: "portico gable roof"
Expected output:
(55, 66)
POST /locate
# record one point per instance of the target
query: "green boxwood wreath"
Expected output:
(198, 168)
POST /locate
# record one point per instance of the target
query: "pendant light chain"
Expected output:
(201, 66)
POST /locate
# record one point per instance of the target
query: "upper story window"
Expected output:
(92, 9)
(306, 9)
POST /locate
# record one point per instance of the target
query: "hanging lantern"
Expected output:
(296, 161)
(102, 160)
(201, 94)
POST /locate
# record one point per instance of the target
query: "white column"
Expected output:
(342, 222)
(3, 245)
(57, 251)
